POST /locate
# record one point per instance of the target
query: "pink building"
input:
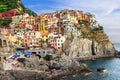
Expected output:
(30, 39)
(26, 41)
(0, 15)
(57, 42)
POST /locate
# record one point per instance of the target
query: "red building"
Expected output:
(9, 14)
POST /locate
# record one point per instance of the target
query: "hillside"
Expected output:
(6, 5)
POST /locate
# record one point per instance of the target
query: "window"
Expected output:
(67, 28)
(31, 41)
(4, 42)
(28, 37)
(43, 51)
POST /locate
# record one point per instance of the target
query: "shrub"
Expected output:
(100, 27)
(47, 57)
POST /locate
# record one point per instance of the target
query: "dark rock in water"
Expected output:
(85, 71)
(101, 70)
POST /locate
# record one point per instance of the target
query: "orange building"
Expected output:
(26, 41)
(83, 16)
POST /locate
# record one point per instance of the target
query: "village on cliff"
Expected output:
(43, 34)
(46, 30)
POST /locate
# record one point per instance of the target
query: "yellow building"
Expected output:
(31, 20)
(13, 38)
(43, 23)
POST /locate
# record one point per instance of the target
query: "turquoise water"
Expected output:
(117, 46)
(112, 66)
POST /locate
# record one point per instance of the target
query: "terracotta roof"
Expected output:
(46, 34)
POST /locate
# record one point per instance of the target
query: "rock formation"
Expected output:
(79, 45)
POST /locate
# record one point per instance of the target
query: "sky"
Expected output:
(107, 11)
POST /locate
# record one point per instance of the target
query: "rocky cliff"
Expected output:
(87, 42)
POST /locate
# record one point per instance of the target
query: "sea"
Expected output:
(112, 66)
(117, 46)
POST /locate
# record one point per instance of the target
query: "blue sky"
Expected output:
(107, 11)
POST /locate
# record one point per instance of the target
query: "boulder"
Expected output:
(43, 68)
(101, 70)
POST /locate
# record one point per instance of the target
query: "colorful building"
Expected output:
(70, 27)
(13, 38)
(31, 38)
(57, 42)
(43, 23)
(45, 37)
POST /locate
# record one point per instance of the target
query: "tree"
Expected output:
(85, 22)
(100, 27)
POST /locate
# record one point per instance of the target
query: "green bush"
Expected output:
(85, 22)
(5, 22)
(6, 5)
(47, 57)
(100, 27)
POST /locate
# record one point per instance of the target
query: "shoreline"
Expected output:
(94, 57)
(61, 73)
(85, 73)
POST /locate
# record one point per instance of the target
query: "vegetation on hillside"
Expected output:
(97, 34)
(6, 5)
(5, 22)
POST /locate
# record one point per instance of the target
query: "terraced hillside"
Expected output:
(6, 5)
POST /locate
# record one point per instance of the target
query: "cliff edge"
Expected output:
(88, 41)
